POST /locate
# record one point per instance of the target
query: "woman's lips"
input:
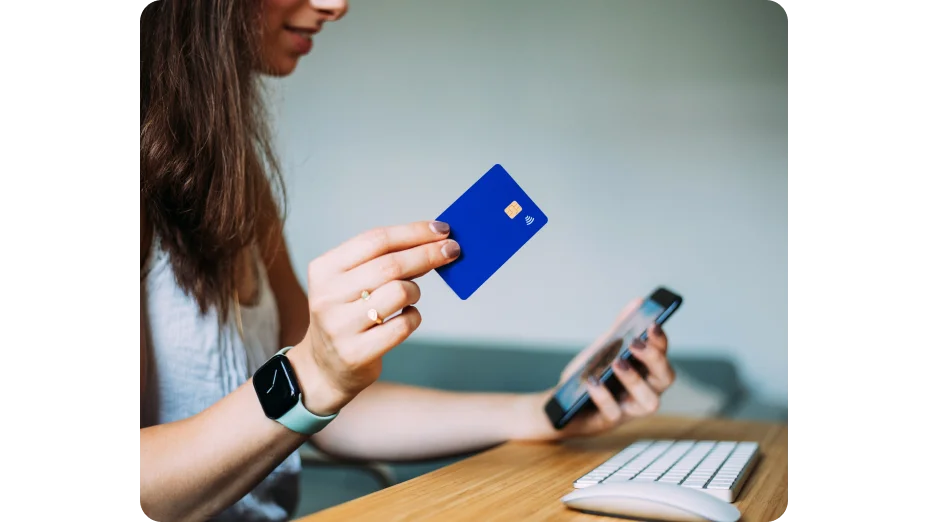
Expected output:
(302, 38)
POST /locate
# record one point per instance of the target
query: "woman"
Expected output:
(220, 297)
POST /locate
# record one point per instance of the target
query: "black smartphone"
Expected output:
(572, 398)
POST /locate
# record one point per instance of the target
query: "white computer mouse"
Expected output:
(651, 501)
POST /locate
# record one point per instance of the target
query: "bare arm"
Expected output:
(411, 422)
(292, 304)
(396, 422)
(196, 467)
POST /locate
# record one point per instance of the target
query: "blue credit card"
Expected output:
(491, 222)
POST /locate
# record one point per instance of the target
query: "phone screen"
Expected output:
(573, 392)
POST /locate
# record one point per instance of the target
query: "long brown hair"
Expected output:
(207, 166)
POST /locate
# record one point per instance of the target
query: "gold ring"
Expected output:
(365, 295)
(372, 315)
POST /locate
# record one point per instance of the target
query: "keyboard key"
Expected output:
(614, 479)
(697, 485)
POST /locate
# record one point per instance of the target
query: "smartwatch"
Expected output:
(281, 398)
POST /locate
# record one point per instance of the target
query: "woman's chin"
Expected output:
(281, 66)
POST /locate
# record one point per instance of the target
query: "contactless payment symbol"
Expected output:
(513, 209)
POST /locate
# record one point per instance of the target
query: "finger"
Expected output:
(377, 341)
(385, 301)
(604, 401)
(380, 241)
(660, 375)
(641, 400)
(398, 266)
(657, 338)
(417, 276)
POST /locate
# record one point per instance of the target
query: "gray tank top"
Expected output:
(196, 359)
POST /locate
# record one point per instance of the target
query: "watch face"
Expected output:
(277, 390)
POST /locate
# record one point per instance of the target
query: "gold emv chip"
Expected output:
(513, 209)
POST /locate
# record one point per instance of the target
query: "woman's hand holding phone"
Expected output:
(642, 397)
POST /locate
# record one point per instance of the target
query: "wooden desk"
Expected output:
(525, 481)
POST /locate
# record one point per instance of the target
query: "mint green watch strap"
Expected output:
(301, 420)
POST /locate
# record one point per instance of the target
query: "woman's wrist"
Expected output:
(320, 396)
(530, 423)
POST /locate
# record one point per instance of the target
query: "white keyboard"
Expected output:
(719, 468)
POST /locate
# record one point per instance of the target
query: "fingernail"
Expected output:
(439, 227)
(623, 365)
(451, 249)
(592, 380)
(638, 345)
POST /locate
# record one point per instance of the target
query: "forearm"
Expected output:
(395, 422)
(194, 468)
